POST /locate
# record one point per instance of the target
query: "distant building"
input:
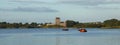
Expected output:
(95, 22)
(58, 22)
(49, 24)
(63, 24)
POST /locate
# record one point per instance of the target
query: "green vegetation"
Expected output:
(111, 23)
(19, 25)
(76, 24)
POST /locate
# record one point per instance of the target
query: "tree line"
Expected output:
(20, 25)
(111, 23)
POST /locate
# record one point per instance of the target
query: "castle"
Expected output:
(58, 22)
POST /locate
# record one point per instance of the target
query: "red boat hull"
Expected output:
(83, 30)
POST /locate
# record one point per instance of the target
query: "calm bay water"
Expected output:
(54, 36)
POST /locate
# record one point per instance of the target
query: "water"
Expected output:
(54, 36)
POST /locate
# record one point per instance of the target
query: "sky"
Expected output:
(47, 10)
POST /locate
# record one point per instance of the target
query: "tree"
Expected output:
(33, 25)
(3, 25)
(111, 23)
(71, 23)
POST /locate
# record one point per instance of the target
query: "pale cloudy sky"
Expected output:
(47, 10)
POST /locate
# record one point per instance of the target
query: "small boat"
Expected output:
(82, 30)
(65, 29)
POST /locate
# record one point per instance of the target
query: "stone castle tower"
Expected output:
(57, 21)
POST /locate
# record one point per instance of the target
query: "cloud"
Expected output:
(28, 9)
(36, 2)
(101, 7)
(94, 4)
(91, 2)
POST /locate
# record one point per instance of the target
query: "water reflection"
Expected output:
(58, 37)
